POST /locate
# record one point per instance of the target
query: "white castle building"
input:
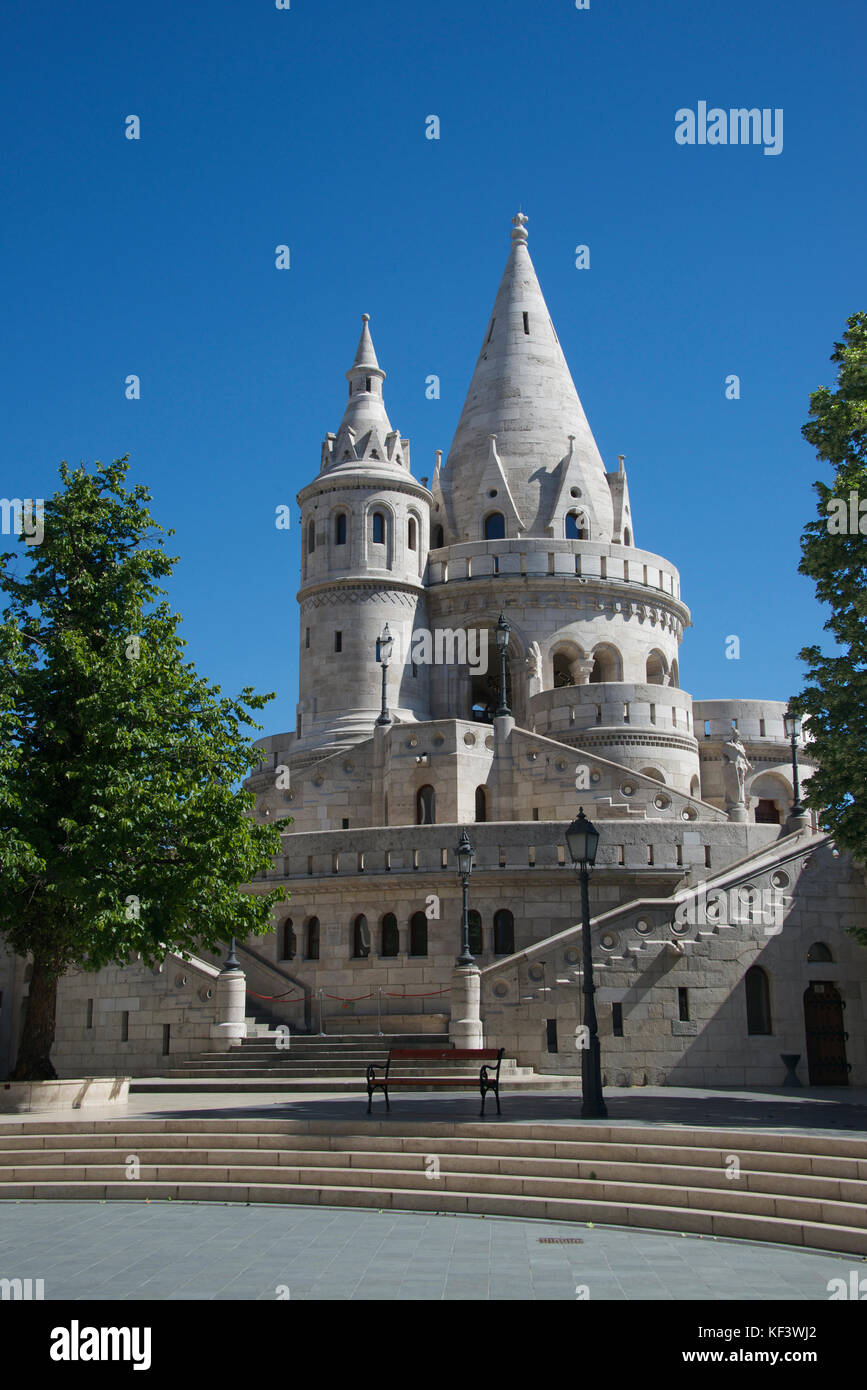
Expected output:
(719, 919)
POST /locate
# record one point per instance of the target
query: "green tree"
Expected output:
(834, 555)
(123, 828)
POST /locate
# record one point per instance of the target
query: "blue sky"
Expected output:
(307, 127)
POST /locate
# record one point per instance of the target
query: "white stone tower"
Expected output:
(526, 519)
(365, 535)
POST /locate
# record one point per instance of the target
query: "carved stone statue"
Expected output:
(534, 669)
(736, 765)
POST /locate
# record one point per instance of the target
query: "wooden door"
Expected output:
(826, 1036)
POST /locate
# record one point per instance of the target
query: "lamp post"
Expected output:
(465, 856)
(384, 644)
(792, 725)
(232, 962)
(503, 631)
(582, 837)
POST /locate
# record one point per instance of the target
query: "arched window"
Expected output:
(606, 665)
(481, 805)
(389, 944)
(425, 805)
(576, 527)
(655, 671)
(418, 934)
(758, 1001)
(495, 526)
(818, 952)
(312, 942)
(439, 538)
(360, 936)
(627, 536)
(311, 537)
(378, 528)
(412, 534)
(562, 671)
(340, 529)
(287, 951)
(504, 932)
(475, 933)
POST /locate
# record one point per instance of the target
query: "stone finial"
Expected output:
(620, 459)
(519, 235)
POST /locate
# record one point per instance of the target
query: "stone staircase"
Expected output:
(268, 1060)
(791, 1188)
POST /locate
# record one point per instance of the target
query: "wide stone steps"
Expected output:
(792, 1188)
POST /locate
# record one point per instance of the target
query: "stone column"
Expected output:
(465, 1024)
(230, 1028)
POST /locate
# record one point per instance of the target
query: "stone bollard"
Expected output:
(230, 1029)
(465, 1024)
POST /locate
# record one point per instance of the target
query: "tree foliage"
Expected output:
(834, 555)
(123, 826)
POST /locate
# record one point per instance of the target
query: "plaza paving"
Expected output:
(133, 1250)
(187, 1250)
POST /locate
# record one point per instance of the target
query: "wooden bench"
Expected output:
(488, 1078)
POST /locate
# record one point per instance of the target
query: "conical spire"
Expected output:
(365, 354)
(523, 393)
(365, 434)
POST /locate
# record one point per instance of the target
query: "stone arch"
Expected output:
(438, 537)
(819, 952)
(568, 664)
(674, 677)
(656, 669)
(576, 527)
(340, 535)
(481, 805)
(769, 798)
(627, 536)
(758, 995)
(695, 788)
(494, 526)
(425, 805)
(377, 507)
(653, 772)
(607, 664)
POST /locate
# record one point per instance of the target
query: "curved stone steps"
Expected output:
(691, 1220)
(804, 1189)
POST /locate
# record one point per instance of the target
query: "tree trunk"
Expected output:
(34, 1055)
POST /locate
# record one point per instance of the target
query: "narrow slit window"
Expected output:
(617, 1020)
(526, 323)
(338, 641)
(683, 1004)
(490, 330)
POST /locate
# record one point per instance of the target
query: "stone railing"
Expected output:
(541, 556)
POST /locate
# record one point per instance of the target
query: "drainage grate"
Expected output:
(559, 1240)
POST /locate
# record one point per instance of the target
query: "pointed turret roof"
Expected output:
(523, 393)
(365, 434)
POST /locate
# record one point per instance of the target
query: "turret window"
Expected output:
(311, 537)
(438, 537)
(378, 528)
(340, 529)
(338, 641)
(526, 323)
(495, 526)
(425, 806)
(412, 535)
(576, 527)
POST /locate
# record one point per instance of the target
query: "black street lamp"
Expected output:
(582, 837)
(503, 631)
(792, 725)
(384, 644)
(465, 856)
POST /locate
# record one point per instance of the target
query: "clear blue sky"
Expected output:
(307, 127)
